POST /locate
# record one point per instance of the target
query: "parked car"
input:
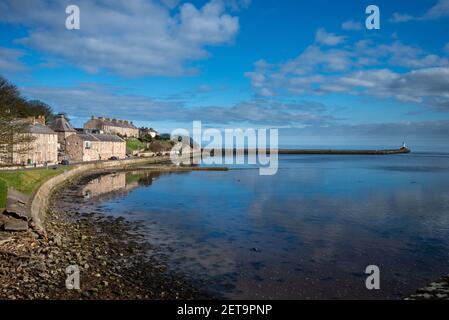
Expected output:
(65, 162)
(113, 158)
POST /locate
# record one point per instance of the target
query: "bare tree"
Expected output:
(38, 108)
(15, 137)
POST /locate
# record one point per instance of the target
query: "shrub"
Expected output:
(155, 147)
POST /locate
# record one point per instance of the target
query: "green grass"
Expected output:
(3, 193)
(25, 181)
(134, 145)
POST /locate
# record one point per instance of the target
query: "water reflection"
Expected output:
(308, 232)
(114, 184)
(104, 185)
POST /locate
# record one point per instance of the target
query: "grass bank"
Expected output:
(25, 181)
(134, 145)
(3, 193)
(153, 146)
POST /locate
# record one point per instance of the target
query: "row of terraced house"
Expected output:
(100, 139)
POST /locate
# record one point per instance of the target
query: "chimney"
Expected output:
(30, 120)
(41, 120)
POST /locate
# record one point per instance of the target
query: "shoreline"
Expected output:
(109, 252)
(112, 254)
(39, 200)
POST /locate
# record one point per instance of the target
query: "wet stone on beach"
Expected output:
(109, 252)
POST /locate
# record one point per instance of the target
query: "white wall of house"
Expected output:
(43, 149)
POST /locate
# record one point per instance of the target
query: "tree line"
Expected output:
(14, 132)
(15, 106)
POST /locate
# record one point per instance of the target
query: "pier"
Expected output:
(401, 150)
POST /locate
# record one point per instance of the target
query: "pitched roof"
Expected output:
(36, 128)
(40, 129)
(148, 130)
(116, 123)
(61, 124)
(99, 137)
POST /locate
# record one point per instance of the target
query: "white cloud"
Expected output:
(129, 38)
(429, 85)
(439, 10)
(204, 88)
(399, 17)
(170, 3)
(351, 25)
(317, 58)
(361, 68)
(329, 39)
(9, 60)
(208, 25)
(87, 99)
(410, 57)
(408, 129)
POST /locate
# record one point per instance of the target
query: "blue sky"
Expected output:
(309, 68)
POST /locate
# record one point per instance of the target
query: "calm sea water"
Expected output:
(308, 232)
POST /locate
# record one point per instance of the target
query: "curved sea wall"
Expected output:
(40, 199)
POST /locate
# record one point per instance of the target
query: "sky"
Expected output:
(311, 69)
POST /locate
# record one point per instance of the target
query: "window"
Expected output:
(88, 144)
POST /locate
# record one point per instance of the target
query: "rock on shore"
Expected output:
(110, 254)
(438, 290)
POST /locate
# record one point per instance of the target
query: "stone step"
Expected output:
(17, 205)
(11, 224)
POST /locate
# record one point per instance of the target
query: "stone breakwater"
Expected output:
(321, 151)
(40, 199)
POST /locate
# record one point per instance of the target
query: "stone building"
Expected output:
(90, 147)
(143, 132)
(41, 150)
(63, 129)
(124, 128)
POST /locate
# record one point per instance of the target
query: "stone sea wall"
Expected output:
(40, 199)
